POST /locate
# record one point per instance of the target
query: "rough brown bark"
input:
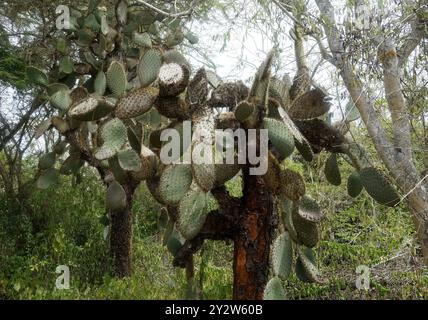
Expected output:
(252, 243)
(121, 237)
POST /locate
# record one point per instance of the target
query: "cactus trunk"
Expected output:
(252, 244)
(121, 237)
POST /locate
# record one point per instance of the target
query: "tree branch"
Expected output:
(394, 96)
(226, 202)
(85, 153)
(218, 226)
(413, 39)
(168, 14)
(354, 86)
(36, 103)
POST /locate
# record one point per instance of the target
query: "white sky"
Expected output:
(247, 45)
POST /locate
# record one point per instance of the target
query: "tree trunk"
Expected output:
(252, 243)
(121, 237)
(418, 205)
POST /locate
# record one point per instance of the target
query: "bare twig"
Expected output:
(169, 14)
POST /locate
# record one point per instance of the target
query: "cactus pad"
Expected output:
(114, 135)
(71, 164)
(78, 94)
(204, 175)
(308, 232)
(274, 290)
(280, 136)
(306, 269)
(105, 153)
(129, 160)
(173, 56)
(173, 79)
(354, 185)
(61, 100)
(91, 109)
(60, 124)
(312, 104)
(142, 39)
(116, 197)
(282, 256)
(55, 87)
(286, 207)
(136, 102)
(118, 172)
(174, 242)
(292, 185)
(116, 78)
(149, 66)
(60, 147)
(153, 186)
(305, 150)
(148, 164)
(243, 111)
(174, 183)
(278, 90)
(378, 187)
(310, 210)
(273, 107)
(272, 177)
(197, 92)
(171, 107)
(225, 172)
(100, 83)
(66, 65)
(193, 211)
(331, 171)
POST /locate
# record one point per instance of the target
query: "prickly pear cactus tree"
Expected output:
(120, 87)
(117, 72)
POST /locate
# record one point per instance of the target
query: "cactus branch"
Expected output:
(86, 154)
(218, 226)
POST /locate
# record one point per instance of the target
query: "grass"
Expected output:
(356, 232)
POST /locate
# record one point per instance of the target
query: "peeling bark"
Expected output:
(252, 244)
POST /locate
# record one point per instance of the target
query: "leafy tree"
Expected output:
(391, 44)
